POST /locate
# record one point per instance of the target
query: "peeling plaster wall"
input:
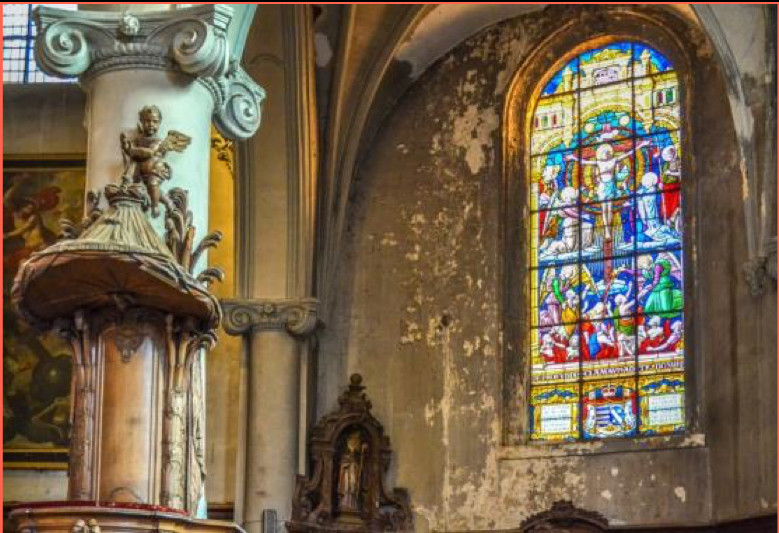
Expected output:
(417, 313)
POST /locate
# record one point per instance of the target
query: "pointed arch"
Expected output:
(553, 132)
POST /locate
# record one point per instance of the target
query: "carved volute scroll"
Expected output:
(190, 40)
(349, 456)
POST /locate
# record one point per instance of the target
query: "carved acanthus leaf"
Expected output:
(209, 275)
(72, 230)
(211, 240)
(180, 236)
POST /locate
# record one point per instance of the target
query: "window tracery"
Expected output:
(606, 302)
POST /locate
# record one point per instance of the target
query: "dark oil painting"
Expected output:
(36, 367)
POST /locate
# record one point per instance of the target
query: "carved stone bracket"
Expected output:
(761, 271)
(298, 317)
(192, 41)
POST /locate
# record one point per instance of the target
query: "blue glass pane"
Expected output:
(565, 80)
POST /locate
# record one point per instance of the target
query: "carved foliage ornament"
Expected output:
(85, 526)
(349, 455)
(565, 517)
(225, 150)
(183, 417)
(77, 332)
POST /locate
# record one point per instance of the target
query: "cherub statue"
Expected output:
(143, 154)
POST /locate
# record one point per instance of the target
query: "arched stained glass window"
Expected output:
(605, 257)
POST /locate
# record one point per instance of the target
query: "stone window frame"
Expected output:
(581, 28)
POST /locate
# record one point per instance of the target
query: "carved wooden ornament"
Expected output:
(126, 284)
(349, 456)
(564, 517)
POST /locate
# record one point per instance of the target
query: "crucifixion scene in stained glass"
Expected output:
(605, 249)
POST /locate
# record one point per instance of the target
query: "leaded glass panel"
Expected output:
(606, 275)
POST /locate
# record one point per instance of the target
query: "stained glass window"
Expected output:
(19, 64)
(606, 306)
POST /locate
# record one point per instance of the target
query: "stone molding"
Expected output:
(192, 41)
(297, 317)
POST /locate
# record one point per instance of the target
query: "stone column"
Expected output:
(276, 310)
(180, 62)
(275, 331)
(176, 60)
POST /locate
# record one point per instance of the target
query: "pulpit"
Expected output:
(128, 285)
(139, 319)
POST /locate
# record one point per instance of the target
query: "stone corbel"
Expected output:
(297, 317)
(192, 41)
(761, 271)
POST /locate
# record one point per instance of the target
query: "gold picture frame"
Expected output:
(37, 193)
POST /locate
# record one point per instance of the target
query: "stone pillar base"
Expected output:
(76, 517)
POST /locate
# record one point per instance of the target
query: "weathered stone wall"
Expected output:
(418, 314)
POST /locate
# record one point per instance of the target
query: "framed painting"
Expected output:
(37, 193)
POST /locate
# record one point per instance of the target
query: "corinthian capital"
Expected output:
(298, 317)
(193, 41)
